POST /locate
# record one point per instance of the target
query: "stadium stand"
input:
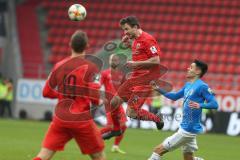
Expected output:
(29, 38)
(187, 29)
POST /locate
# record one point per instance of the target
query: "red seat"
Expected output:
(184, 33)
(222, 58)
(233, 59)
(227, 87)
(230, 68)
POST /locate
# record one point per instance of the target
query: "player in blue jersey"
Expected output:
(196, 95)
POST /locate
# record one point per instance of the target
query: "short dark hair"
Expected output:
(202, 66)
(130, 20)
(79, 41)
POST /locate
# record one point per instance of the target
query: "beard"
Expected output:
(131, 36)
(113, 66)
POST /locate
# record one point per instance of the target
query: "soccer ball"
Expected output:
(77, 12)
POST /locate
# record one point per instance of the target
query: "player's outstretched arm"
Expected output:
(170, 95)
(175, 95)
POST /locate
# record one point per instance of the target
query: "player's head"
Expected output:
(79, 41)
(197, 69)
(130, 25)
(114, 61)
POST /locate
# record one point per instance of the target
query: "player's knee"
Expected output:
(131, 113)
(98, 156)
(115, 102)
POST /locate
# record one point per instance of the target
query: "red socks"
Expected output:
(116, 119)
(141, 113)
(37, 158)
(146, 116)
(118, 139)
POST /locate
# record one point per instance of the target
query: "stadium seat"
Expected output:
(185, 31)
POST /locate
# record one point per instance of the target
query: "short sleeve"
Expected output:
(152, 48)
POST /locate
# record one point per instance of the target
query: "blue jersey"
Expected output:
(199, 92)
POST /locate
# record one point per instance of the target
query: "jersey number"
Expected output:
(69, 86)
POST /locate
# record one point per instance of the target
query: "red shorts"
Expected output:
(136, 96)
(88, 138)
(135, 86)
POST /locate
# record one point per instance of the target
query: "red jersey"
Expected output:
(145, 47)
(112, 79)
(69, 82)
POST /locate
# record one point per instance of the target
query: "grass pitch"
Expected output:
(21, 140)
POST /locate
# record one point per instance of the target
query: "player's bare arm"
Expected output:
(144, 64)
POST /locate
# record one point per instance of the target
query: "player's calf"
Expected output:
(158, 152)
(115, 102)
(44, 154)
(131, 113)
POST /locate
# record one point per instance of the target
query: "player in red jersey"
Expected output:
(111, 79)
(72, 119)
(145, 65)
